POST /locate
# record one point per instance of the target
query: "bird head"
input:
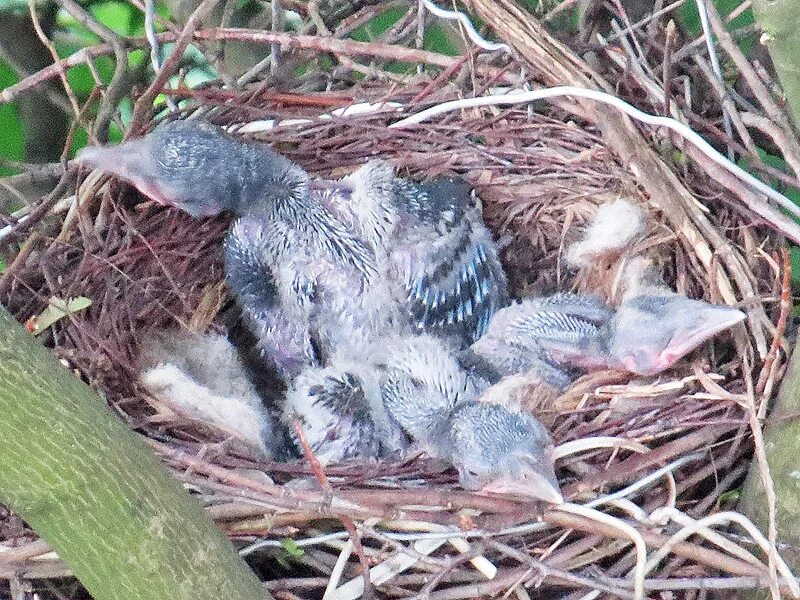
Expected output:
(649, 334)
(500, 452)
(195, 166)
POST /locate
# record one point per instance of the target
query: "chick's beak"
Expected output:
(529, 483)
(710, 321)
(132, 162)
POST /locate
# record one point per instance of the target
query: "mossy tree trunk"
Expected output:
(782, 445)
(780, 20)
(97, 494)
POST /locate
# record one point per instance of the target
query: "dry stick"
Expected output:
(628, 468)
(728, 104)
(319, 473)
(716, 72)
(115, 89)
(141, 111)
(786, 142)
(706, 556)
(300, 42)
(547, 570)
(767, 484)
(780, 329)
(56, 98)
(776, 115)
(332, 45)
(489, 589)
(62, 73)
(19, 261)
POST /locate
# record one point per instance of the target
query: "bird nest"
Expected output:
(682, 441)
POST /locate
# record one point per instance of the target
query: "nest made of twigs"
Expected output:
(541, 177)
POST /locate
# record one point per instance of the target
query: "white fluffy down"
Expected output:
(615, 225)
(220, 394)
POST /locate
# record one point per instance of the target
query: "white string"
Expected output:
(454, 15)
(519, 97)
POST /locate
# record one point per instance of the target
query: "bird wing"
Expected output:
(568, 327)
(453, 279)
(283, 336)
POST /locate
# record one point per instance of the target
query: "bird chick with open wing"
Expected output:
(431, 244)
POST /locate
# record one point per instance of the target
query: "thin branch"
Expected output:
(144, 104)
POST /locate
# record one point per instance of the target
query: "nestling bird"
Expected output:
(555, 336)
(520, 337)
(201, 375)
(434, 400)
(342, 413)
(431, 245)
(304, 282)
(411, 390)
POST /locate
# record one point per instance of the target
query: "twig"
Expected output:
(645, 481)
(116, 87)
(547, 571)
(780, 328)
(725, 518)
(276, 25)
(60, 71)
(302, 42)
(594, 443)
(144, 104)
(728, 107)
(319, 473)
(155, 47)
(624, 528)
(712, 55)
(775, 114)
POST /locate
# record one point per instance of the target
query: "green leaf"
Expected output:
(730, 497)
(56, 310)
(437, 40)
(690, 18)
(117, 16)
(794, 254)
(17, 6)
(291, 547)
(79, 140)
(12, 140)
(377, 26)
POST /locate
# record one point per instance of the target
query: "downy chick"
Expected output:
(341, 412)
(558, 336)
(434, 400)
(201, 376)
(431, 244)
(304, 282)
(410, 389)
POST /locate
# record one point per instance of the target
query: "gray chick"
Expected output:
(525, 337)
(410, 389)
(558, 335)
(340, 410)
(201, 376)
(431, 244)
(434, 400)
(304, 282)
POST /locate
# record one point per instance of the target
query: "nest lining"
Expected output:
(540, 177)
